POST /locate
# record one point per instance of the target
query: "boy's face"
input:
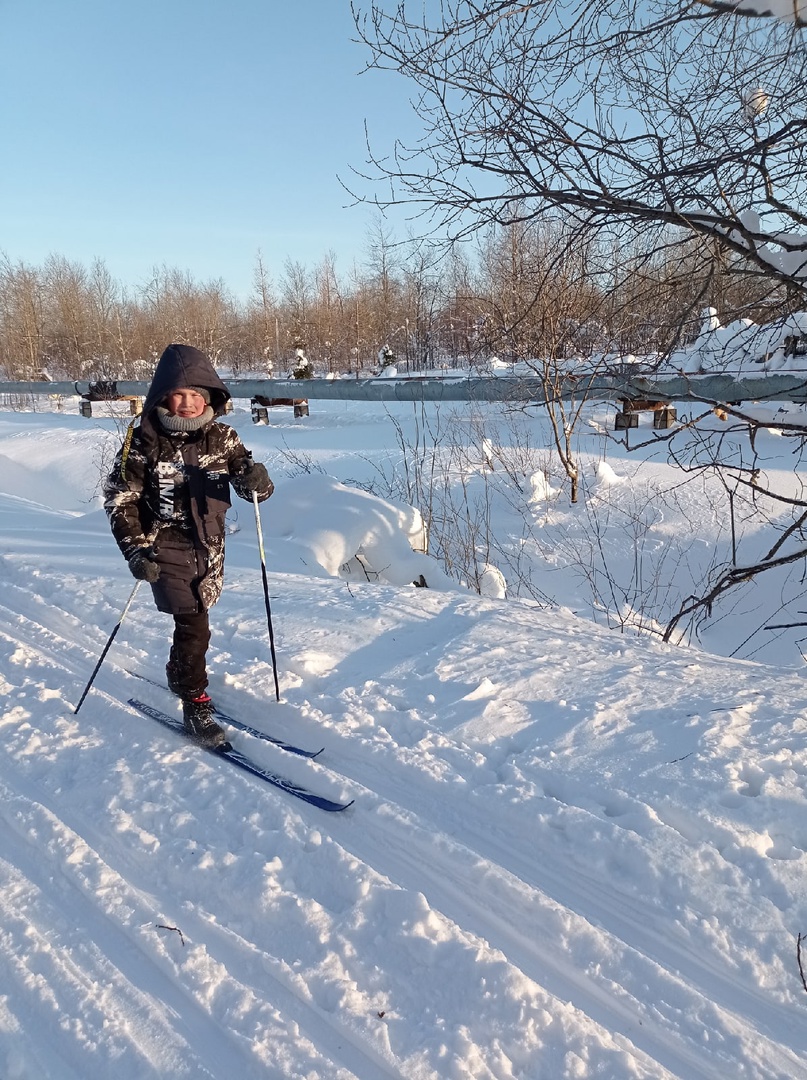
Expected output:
(186, 403)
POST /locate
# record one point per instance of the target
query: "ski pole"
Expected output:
(265, 586)
(107, 646)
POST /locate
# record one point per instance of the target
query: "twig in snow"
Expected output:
(798, 958)
(176, 930)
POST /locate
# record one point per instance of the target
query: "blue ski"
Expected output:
(290, 748)
(238, 759)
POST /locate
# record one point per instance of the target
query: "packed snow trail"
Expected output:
(571, 854)
(436, 839)
(404, 845)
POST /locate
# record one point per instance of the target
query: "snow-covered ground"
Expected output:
(572, 852)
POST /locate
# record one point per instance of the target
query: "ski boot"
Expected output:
(197, 714)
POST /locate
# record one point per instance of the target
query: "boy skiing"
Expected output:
(166, 498)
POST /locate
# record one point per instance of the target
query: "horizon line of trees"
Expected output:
(538, 288)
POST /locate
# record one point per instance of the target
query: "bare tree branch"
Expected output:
(622, 115)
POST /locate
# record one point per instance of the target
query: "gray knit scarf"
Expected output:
(175, 424)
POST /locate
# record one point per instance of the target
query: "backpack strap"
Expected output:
(127, 444)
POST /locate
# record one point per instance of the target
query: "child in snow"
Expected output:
(166, 499)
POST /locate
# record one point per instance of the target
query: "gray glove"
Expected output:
(143, 566)
(255, 477)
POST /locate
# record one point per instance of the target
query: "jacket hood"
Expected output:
(180, 366)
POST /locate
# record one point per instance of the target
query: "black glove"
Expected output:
(254, 477)
(143, 566)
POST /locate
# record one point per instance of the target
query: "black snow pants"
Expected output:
(186, 669)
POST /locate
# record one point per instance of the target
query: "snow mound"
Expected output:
(349, 533)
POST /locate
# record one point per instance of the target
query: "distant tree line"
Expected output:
(532, 289)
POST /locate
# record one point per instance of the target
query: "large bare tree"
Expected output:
(624, 115)
(668, 138)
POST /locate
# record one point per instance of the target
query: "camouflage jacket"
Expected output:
(176, 497)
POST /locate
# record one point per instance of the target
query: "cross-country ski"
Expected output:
(241, 761)
(233, 721)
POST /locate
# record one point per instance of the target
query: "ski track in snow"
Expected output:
(119, 960)
(571, 854)
(455, 868)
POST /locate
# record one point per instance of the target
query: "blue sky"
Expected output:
(186, 133)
